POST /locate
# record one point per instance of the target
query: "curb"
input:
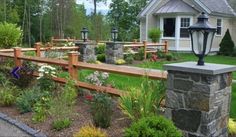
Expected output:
(22, 126)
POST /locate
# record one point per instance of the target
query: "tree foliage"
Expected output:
(227, 45)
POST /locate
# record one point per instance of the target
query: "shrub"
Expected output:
(154, 34)
(227, 44)
(61, 124)
(234, 53)
(100, 49)
(120, 62)
(98, 78)
(39, 112)
(26, 75)
(103, 103)
(90, 131)
(140, 54)
(45, 82)
(142, 102)
(232, 127)
(10, 35)
(169, 57)
(101, 57)
(160, 54)
(27, 99)
(153, 126)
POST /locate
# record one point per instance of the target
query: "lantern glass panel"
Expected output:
(85, 35)
(209, 41)
(197, 42)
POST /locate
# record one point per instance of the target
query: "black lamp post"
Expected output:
(114, 34)
(84, 34)
(202, 35)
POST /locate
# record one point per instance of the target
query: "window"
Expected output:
(184, 24)
(219, 27)
(169, 27)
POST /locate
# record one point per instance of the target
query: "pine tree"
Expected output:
(227, 44)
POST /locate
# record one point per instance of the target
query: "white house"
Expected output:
(173, 17)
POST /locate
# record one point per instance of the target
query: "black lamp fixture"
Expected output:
(84, 34)
(202, 35)
(114, 34)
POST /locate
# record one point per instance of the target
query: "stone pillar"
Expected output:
(114, 51)
(87, 51)
(198, 98)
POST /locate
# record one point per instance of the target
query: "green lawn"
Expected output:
(126, 82)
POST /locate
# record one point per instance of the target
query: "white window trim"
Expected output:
(162, 26)
(191, 23)
(219, 35)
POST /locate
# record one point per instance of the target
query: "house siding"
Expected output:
(142, 29)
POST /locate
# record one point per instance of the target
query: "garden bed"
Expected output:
(82, 117)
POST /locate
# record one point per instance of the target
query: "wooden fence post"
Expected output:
(166, 47)
(17, 53)
(37, 47)
(145, 49)
(73, 59)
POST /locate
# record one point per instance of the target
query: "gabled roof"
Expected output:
(176, 6)
(212, 7)
(218, 6)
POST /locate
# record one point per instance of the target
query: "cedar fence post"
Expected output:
(166, 47)
(145, 49)
(37, 47)
(73, 59)
(17, 53)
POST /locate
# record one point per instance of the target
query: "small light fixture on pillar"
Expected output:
(202, 35)
(114, 34)
(84, 34)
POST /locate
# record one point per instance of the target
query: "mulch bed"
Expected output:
(81, 118)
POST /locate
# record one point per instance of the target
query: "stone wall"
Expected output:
(114, 51)
(199, 104)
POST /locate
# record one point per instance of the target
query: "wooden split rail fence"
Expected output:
(74, 66)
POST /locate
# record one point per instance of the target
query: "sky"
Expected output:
(101, 7)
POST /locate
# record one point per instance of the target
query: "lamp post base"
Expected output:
(200, 61)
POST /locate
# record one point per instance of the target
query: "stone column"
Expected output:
(198, 98)
(87, 51)
(114, 51)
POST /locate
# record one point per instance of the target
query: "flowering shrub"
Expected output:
(98, 78)
(69, 44)
(46, 73)
(154, 58)
(90, 131)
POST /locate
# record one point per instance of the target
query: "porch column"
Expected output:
(198, 98)
(177, 32)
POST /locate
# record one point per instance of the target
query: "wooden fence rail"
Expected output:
(74, 66)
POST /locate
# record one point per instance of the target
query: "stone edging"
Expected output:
(21, 126)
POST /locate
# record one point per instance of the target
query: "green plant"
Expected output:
(143, 102)
(69, 93)
(154, 34)
(227, 44)
(98, 78)
(7, 97)
(140, 54)
(153, 126)
(10, 35)
(90, 131)
(161, 54)
(61, 124)
(234, 53)
(100, 49)
(26, 75)
(27, 99)
(101, 57)
(103, 103)
(39, 112)
(169, 57)
(232, 127)
(45, 82)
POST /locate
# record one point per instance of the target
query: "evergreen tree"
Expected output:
(227, 44)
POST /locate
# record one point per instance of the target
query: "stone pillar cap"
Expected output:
(208, 68)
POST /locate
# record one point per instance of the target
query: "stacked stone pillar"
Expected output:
(114, 52)
(198, 98)
(87, 51)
